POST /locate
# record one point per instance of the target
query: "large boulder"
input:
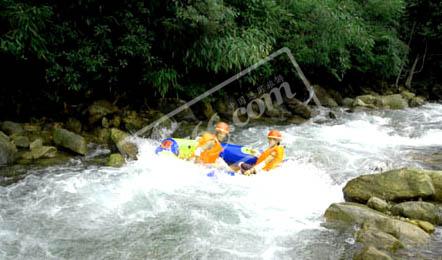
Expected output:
(7, 150)
(419, 210)
(100, 109)
(394, 185)
(70, 140)
(353, 213)
(324, 97)
(11, 128)
(123, 143)
(372, 253)
(297, 107)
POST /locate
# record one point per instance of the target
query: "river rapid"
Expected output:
(164, 208)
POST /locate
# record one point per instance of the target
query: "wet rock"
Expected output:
(74, 125)
(70, 140)
(353, 213)
(115, 160)
(101, 136)
(123, 143)
(11, 128)
(324, 97)
(420, 210)
(336, 96)
(378, 204)
(369, 236)
(20, 141)
(100, 109)
(208, 110)
(371, 253)
(296, 107)
(348, 102)
(394, 185)
(395, 101)
(7, 150)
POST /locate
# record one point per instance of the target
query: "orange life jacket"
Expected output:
(210, 155)
(278, 154)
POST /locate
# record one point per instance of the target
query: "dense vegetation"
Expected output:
(71, 51)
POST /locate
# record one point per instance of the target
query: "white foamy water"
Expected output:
(164, 208)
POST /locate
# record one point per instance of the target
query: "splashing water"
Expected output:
(162, 208)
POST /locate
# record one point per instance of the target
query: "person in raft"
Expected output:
(271, 158)
(209, 146)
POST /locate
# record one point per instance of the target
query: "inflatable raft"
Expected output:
(184, 148)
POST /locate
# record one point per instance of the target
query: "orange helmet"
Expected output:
(222, 127)
(274, 134)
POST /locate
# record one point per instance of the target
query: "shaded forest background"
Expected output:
(55, 54)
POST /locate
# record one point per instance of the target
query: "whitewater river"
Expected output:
(161, 208)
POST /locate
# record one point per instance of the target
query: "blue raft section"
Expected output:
(232, 153)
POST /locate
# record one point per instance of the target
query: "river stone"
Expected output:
(371, 253)
(296, 107)
(378, 204)
(419, 210)
(375, 237)
(70, 140)
(324, 97)
(394, 185)
(122, 141)
(11, 128)
(350, 213)
(115, 160)
(7, 150)
(395, 101)
(100, 109)
(20, 141)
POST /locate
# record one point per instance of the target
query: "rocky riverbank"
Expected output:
(105, 125)
(390, 211)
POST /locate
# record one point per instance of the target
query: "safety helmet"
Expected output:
(275, 134)
(222, 127)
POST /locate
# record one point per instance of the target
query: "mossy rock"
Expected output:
(70, 140)
(394, 185)
(115, 160)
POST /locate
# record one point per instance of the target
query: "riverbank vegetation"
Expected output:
(59, 55)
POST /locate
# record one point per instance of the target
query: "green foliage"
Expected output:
(162, 46)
